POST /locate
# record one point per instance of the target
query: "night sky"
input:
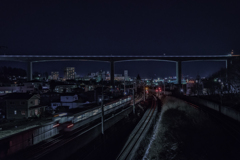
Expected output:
(120, 27)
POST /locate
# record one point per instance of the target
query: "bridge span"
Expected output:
(178, 59)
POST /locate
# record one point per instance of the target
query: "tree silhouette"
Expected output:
(138, 77)
(52, 85)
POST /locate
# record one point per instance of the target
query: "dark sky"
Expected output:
(118, 27)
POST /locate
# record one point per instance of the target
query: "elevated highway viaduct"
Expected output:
(178, 59)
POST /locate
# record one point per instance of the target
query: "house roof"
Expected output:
(21, 96)
(68, 94)
(37, 106)
(34, 81)
(50, 93)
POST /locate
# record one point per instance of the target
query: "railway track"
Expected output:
(135, 138)
(44, 147)
(229, 125)
(38, 151)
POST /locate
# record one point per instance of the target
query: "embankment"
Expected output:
(185, 133)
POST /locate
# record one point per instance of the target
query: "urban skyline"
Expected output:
(89, 79)
(121, 28)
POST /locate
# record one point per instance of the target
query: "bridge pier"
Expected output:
(29, 71)
(112, 73)
(179, 73)
(228, 63)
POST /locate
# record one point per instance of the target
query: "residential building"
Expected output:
(23, 105)
(55, 75)
(69, 73)
(65, 88)
(16, 89)
(70, 100)
(47, 98)
(33, 83)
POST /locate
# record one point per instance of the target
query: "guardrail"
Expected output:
(227, 111)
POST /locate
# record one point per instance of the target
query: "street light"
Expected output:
(101, 99)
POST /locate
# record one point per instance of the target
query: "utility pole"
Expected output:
(136, 85)
(164, 86)
(144, 93)
(124, 86)
(102, 110)
(133, 102)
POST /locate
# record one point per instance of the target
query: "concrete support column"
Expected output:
(179, 72)
(228, 63)
(29, 71)
(112, 73)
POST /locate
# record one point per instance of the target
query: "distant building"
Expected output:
(69, 73)
(101, 75)
(34, 83)
(125, 73)
(93, 75)
(47, 98)
(55, 75)
(117, 75)
(107, 73)
(16, 89)
(68, 99)
(68, 88)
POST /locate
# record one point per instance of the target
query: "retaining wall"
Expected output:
(22, 140)
(228, 111)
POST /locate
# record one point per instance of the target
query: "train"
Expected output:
(69, 121)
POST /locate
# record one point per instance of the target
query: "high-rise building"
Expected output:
(69, 73)
(126, 75)
(55, 75)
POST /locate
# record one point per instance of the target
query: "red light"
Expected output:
(156, 90)
(55, 125)
(69, 126)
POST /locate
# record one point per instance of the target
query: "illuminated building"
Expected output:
(126, 75)
(55, 75)
(69, 73)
